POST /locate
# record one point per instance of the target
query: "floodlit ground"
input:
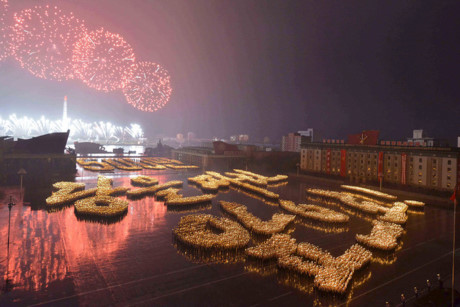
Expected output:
(56, 258)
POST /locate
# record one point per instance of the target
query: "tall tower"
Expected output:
(65, 123)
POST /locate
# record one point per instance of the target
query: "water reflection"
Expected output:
(197, 255)
(100, 219)
(32, 261)
(60, 248)
(46, 247)
(190, 208)
(305, 283)
(302, 283)
(263, 268)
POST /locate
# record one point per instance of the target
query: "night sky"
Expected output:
(266, 68)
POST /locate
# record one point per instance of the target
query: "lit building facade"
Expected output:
(431, 168)
(291, 142)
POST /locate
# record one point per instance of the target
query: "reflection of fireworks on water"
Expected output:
(44, 39)
(150, 87)
(103, 60)
(5, 32)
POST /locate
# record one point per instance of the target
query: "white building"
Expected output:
(418, 139)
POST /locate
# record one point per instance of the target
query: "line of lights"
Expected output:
(23, 127)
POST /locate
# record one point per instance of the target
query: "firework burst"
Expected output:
(6, 47)
(150, 87)
(44, 39)
(103, 60)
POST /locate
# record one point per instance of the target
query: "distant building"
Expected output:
(191, 136)
(366, 137)
(244, 138)
(221, 155)
(228, 156)
(309, 135)
(241, 138)
(419, 139)
(291, 142)
(431, 168)
(221, 148)
(458, 142)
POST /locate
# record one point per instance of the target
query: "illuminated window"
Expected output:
(420, 173)
(419, 181)
(448, 185)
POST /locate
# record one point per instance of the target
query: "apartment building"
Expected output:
(435, 168)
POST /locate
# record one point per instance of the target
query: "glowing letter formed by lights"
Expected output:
(152, 190)
(150, 87)
(103, 204)
(331, 274)
(68, 192)
(144, 181)
(277, 224)
(193, 231)
(103, 60)
(44, 39)
(5, 32)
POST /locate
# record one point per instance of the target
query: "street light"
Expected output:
(10, 205)
(7, 280)
(21, 173)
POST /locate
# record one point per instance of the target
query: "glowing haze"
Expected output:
(266, 68)
(44, 39)
(55, 45)
(103, 60)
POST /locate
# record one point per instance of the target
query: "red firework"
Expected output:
(5, 32)
(150, 87)
(44, 39)
(103, 60)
